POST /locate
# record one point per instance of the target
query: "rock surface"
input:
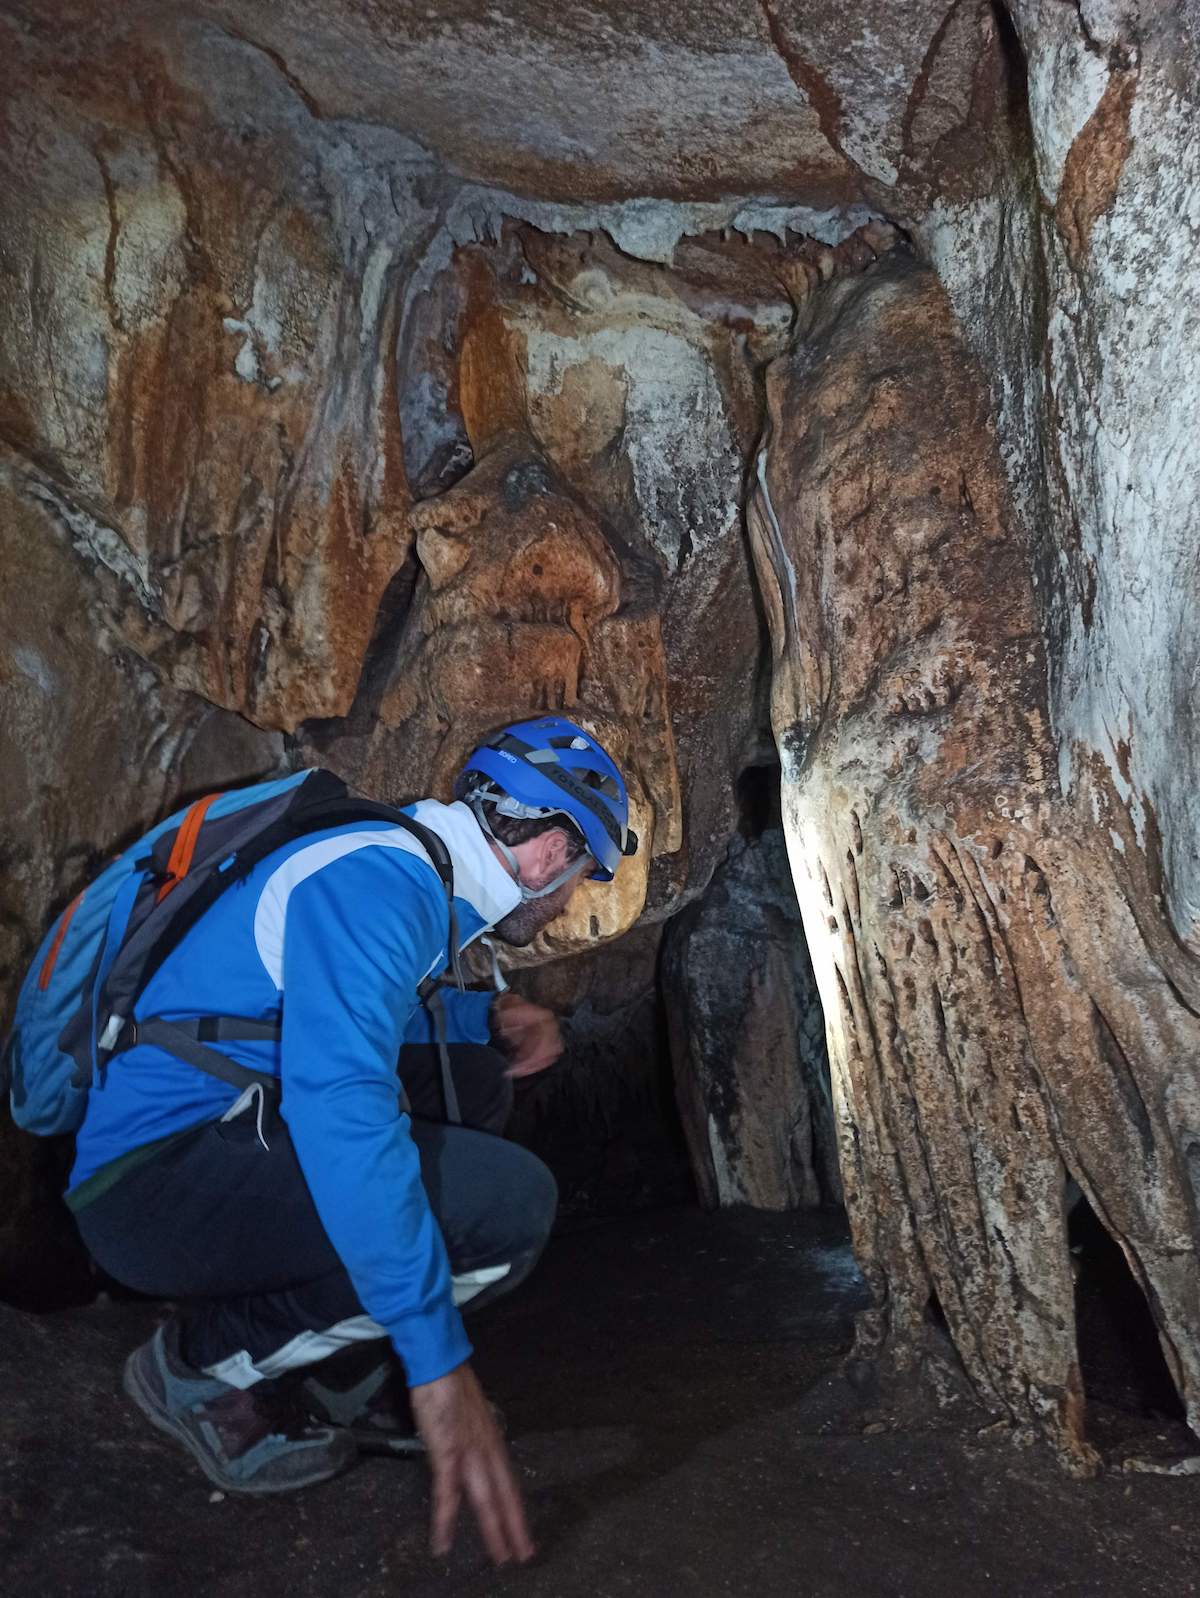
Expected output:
(523, 608)
(976, 954)
(606, 100)
(93, 748)
(678, 1424)
(195, 358)
(748, 1038)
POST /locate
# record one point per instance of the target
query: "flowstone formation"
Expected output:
(730, 376)
(983, 1043)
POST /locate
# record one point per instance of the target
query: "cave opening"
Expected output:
(760, 799)
(1126, 1378)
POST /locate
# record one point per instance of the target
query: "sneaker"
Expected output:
(244, 1440)
(368, 1398)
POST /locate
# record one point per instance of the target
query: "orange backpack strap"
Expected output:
(184, 846)
(51, 959)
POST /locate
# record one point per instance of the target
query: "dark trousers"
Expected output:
(229, 1229)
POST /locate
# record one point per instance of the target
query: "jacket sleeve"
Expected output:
(360, 935)
(468, 1018)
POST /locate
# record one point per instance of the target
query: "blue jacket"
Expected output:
(339, 929)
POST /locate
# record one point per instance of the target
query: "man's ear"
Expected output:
(541, 857)
(557, 847)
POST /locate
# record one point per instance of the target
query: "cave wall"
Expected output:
(249, 326)
(239, 344)
(1069, 280)
(320, 439)
(197, 343)
(997, 1022)
(298, 468)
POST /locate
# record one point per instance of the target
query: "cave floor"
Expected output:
(672, 1390)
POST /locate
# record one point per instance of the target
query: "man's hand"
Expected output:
(529, 1033)
(468, 1455)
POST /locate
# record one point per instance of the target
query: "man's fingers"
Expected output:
(482, 1495)
(468, 1455)
(534, 1048)
(530, 1033)
(509, 1502)
(447, 1497)
(513, 1509)
(531, 1064)
(496, 1500)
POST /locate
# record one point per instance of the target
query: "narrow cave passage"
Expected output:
(696, 1067)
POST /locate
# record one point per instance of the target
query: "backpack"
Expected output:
(75, 1006)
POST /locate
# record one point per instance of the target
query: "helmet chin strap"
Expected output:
(511, 861)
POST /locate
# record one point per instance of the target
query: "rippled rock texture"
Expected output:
(996, 1020)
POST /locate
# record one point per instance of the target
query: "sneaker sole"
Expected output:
(370, 1440)
(136, 1388)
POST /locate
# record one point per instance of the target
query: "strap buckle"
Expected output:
(120, 1033)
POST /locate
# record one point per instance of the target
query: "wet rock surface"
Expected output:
(950, 889)
(672, 1392)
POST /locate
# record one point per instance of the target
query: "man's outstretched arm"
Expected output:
(361, 934)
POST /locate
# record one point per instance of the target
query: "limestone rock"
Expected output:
(194, 357)
(372, 374)
(521, 610)
(748, 1038)
(567, 357)
(600, 357)
(94, 750)
(982, 1030)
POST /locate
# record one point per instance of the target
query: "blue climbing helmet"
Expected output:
(551, 767)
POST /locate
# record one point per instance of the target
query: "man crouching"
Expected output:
(373, 1207)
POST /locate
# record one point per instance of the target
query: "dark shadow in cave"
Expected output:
(605, 1118)
(359, 722)
(760, 799)
(1120, 1355)
(1016, 67)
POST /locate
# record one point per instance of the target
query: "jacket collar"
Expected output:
(484, 892)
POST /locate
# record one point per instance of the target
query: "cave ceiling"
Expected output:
(817, 105)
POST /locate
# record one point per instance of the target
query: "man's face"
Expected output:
(520, 926)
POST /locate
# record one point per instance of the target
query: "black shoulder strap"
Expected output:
(186, 1041)
(329, 806)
